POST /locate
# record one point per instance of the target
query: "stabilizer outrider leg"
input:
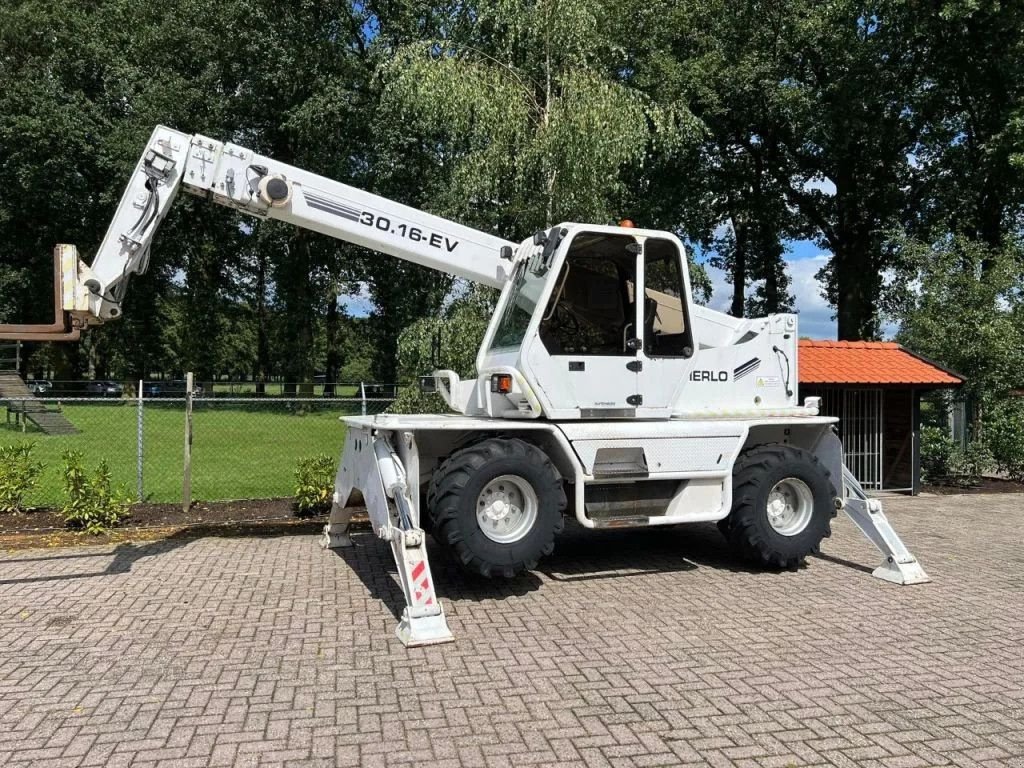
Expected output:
(371, 464)
(899, 567)
(335, 534)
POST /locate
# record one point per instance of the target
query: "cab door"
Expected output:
(666, 358)
(585, 353)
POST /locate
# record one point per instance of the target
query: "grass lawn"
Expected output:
(239, 451)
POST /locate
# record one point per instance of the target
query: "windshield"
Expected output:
(522, 301)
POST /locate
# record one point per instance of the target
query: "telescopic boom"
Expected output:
(239, 178)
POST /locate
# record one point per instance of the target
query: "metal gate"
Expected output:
(860, 415)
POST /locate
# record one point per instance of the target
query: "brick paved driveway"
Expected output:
(646, 648)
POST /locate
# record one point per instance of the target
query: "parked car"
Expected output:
(173, 388)
(104, 389)
(178, 386)
(39, 387)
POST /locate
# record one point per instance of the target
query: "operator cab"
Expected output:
(597, 321)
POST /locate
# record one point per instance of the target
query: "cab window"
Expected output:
(591, 310)
(666, 325)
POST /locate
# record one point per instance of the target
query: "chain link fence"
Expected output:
(241, 447)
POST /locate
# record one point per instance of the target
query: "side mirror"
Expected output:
(541, 263)
(551, 243)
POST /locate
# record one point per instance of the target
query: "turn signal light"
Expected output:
(501, 383)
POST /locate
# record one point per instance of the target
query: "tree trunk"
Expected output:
(262, 341)
(300, 307)
(771, 284)
(333, 362)
(857, 282)
(739, 269)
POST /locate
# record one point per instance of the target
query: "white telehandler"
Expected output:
(602, 393)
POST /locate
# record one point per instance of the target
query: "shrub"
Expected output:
(967, 465)
(92, 504)
(412, 400)
(18, 476)
(943, 461)
(937, 449)
(314, 484)
(1004, 430)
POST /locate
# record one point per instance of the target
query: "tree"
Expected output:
(841, 106)
(530, 123)
(971, 121)
(535, 124)
(960, 304)
(447, 342)
(721, 59)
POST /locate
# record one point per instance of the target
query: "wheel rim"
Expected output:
(790, 506)
(506, 509)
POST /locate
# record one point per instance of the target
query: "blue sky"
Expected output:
(356, 305)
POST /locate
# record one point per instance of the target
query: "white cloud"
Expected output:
(821, 184)
(357, 304)
(721, 291)
(815, 318)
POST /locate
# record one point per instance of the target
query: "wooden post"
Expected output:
(186, 491)
(915, 431)
(139, 445)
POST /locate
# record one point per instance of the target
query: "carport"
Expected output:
(874, 388)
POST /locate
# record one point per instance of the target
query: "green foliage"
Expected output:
(11, 282)
(937, 449)
(91, 502)
(970, 463)
(537, 127)
(1004, 432)
(959, 303)
(314, 484)
(944, 462)
(696, 116)
(357, 352)
(460, 330)
(19, 474)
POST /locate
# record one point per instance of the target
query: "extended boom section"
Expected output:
(239, 178)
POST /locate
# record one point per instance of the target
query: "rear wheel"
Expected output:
(783, 505)
(497, 506)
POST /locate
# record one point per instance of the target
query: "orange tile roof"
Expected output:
(868, 362)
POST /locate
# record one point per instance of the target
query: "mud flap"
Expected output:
(371, 465)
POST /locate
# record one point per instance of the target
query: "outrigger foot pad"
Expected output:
(335, 537)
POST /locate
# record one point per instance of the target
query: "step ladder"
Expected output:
(20, 402)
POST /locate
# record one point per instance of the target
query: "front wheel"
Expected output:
(783, 505)
(497, 506)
